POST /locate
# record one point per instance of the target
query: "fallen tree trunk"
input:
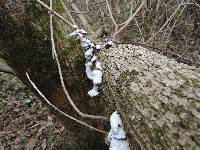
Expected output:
(158, 98)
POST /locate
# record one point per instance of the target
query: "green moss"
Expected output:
(127, 76)
(195, 82)
(178, 92)
(65, 147)
(160, 138)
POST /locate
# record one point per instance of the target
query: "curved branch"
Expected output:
(111, 16)
(128, 21)
(68, 116)
(56, 14)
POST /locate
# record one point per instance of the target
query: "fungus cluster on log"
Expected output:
(93, 67)
(117, 137)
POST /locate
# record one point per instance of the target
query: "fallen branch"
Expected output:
(53, 106)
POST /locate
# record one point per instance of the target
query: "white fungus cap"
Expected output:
(88, 70)
(89, 52)
(84, 45)
(75, 26)
(97, 77)
(88, 41)
(98, 47)
(91, 44)
(84, 39)
(94, 91)
(110, 43)
(94, 58)
(117, 136)
(115, 121)
(76, 32)
(98, 65)
(83, 31)
(89, 64)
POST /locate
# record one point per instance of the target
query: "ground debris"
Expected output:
(25, 123)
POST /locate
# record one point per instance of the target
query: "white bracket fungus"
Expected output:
(117, 137)
(109, 44)
(93, 73)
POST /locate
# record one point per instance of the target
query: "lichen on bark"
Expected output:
(158, 97)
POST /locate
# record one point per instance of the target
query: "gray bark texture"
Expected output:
(158, 98)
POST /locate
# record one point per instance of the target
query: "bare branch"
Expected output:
(128, 20)
(66, 115)
(196, 3)
(68, 13)
(137, 24)
(56, 14)
(82, 18)
(178, 7)
(166, 41)
(51, 30)
(111, 16)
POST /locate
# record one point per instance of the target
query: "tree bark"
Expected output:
(158, 98)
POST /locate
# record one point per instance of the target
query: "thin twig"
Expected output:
(57, 14)
(51, 29)
(167, 39)
(137, 24)
(68, 13)
(111, 16)
(128, 20)
(68, 116)
(169, 19)
(82, 18)
(197, 4)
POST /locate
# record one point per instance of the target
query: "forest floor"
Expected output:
(25, 123)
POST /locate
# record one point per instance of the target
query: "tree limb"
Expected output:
(56, 14)
(68, 13)
(128, 21)
(111, 16)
